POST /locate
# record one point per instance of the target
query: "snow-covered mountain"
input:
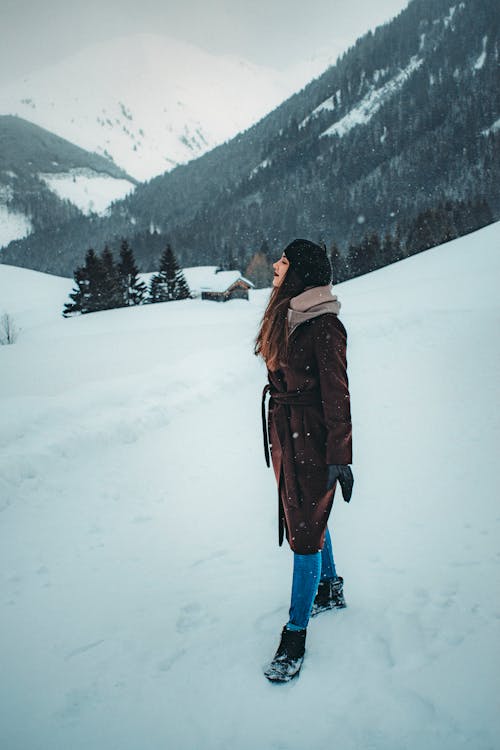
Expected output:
(148, 102)
(142, 587)
(382, 137)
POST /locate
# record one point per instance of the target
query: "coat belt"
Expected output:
(285, 398)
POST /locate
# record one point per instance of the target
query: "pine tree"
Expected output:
(78, 295)
(222, 264)
(482, 212)
(242, 258)
(227, 260)
(155, 289)
(169, 283)
(354, 263)
(89, 295)
(182, 290)
(372, 252)
(339, 270)
(390, 251)
(400, 244)
(112, 294)
(431, 227)
(95, 291)
(133, 289)
(231, 260)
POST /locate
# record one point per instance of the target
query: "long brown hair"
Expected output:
(272, 339)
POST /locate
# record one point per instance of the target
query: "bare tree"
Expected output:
(8, 329)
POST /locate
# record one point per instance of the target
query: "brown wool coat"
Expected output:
(305, 438)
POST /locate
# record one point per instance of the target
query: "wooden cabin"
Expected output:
(210, 283)
(230, 288)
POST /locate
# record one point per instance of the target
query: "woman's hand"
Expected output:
(343, 473)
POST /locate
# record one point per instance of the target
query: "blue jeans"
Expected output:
(308, 570)
(328, 570)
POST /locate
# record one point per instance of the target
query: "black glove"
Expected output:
(343, 473)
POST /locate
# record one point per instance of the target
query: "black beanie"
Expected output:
(310, 262)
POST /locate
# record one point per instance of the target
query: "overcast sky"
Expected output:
(277, 33)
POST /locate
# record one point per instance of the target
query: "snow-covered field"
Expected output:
(87, 189)
(142, 586)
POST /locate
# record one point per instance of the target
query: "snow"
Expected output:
(448, 19)
(371, 102)
(263, 164)
(165, 103)
(6, 193)
(380, 73)
(90, 191)
(482, 57)
(143, 590)
(14, 225)
(493, 128)
(327, 106)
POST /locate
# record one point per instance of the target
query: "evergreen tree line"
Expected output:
(103, 284)
(447, 221)
(434, 226)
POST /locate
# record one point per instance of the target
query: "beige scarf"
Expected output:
(314, 301)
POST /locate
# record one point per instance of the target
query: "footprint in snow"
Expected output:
(76, 701)
(83, 649)
(166, 664)
(215, 555)
(191, 617)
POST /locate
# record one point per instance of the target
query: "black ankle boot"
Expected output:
(330, 596)
(289, 656)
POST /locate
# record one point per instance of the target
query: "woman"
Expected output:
(303, 344)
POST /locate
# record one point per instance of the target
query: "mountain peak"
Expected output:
(146, 100)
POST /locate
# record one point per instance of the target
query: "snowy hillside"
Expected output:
(142, 586)
(35, 162)
(90, 191)
(13, 224)
(149, 102)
